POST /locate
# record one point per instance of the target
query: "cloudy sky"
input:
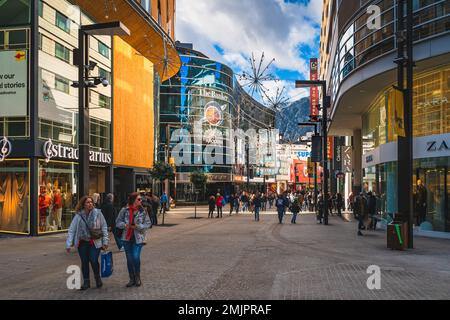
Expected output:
(230, 30)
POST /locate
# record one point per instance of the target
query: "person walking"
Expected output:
(295, 209)
(154, 200)
(271, 200)
(257, 203)
(339, 204)
(164, 202)
(360, 210)
(280, 205)
(372, 208)
(134, 221)
(110, 214)
(219, 205)
(236, 203)
(212, 206)
(244, 200)
(88, 232)
(231, 200)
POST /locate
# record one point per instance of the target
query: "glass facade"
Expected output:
(431, 116)
(15, 196)
(57, 195)
(359, 45)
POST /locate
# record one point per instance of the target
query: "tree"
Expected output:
(199, 180)
(162, 171)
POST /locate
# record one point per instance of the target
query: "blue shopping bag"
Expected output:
(107, 264)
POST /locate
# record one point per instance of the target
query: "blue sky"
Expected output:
(230, 30)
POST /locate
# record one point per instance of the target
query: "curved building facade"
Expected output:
(358, 62)
(206, 101)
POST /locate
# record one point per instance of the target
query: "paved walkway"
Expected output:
(237, 258)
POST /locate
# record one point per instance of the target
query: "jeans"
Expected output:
(257, 213)
(211, 213)
(280, 215)
(118, 241)
(133, 253)
(237, 209)
(89, 254)
(219, 212)
(294, 217)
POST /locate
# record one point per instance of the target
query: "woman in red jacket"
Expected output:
(219, 205)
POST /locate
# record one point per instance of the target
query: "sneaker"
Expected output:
(360, 234)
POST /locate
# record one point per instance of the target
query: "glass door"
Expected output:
(435, 183)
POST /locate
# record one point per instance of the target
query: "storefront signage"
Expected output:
(303, 155)
(13, 83)
(5, 148)
(314, 76)
(62, 152)
(347, 159)
(434, 146)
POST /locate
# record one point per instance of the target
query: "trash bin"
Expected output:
(397, 235)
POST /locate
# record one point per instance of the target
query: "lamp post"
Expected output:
(325, 105)
(106, 29)
(316, 133)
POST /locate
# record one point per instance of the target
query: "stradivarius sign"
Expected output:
(59, 151)
(5, 148)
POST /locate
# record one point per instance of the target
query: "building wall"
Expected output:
(133, 107)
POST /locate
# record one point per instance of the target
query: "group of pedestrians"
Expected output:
(92, 225)
(364, 209)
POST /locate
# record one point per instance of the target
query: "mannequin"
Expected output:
(420, 202)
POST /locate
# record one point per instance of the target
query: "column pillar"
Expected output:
(357, 161)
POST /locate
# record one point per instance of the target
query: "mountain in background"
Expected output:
(287, 120)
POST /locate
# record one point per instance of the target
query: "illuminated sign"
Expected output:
(314, 76)
(59, 151)
(5, 148)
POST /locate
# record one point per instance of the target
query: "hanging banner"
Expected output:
(13, 83)
(397, 112)
(330, 146)
(316, 153)
(347, 159)
(314, 76)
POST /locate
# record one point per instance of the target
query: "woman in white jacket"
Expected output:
(88, 232)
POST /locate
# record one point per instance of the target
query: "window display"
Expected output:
(14, 196)
(57, 195)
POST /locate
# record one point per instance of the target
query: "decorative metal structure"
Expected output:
(254, 80)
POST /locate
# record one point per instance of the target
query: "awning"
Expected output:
(147, 37)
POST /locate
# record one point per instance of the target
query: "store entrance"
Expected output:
(437, 186)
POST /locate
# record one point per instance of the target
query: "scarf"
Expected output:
(130, 231)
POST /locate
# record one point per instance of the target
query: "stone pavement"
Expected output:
(237, 258)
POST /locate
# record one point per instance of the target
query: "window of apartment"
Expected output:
(159, 13)
(100, 134)
(104, 101)
(103, 49)
(56, 131)
(62, 52)
(102, 73)
(62, 84)
(41, 9)
(147, 5)
(62, 22)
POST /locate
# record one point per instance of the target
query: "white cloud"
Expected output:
(241, 27)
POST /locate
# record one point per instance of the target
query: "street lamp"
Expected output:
(326, 101)
(316, 133)
(84, 83)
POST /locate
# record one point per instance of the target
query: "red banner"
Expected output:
(314, 76)
(330, 148)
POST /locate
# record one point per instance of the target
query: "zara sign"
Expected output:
(52, 150)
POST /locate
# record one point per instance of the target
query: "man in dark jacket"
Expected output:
(257, 204)
(110, 214)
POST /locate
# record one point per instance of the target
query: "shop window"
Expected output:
(14, 12)
(14, 197)
(57, 195)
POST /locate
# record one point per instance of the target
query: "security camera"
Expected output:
(105, 82)
(92, 65)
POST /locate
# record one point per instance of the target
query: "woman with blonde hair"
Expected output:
(88, 232)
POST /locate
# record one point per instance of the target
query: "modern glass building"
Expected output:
(206, 94)
(358, 62)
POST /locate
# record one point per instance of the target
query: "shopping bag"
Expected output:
(106, 264)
